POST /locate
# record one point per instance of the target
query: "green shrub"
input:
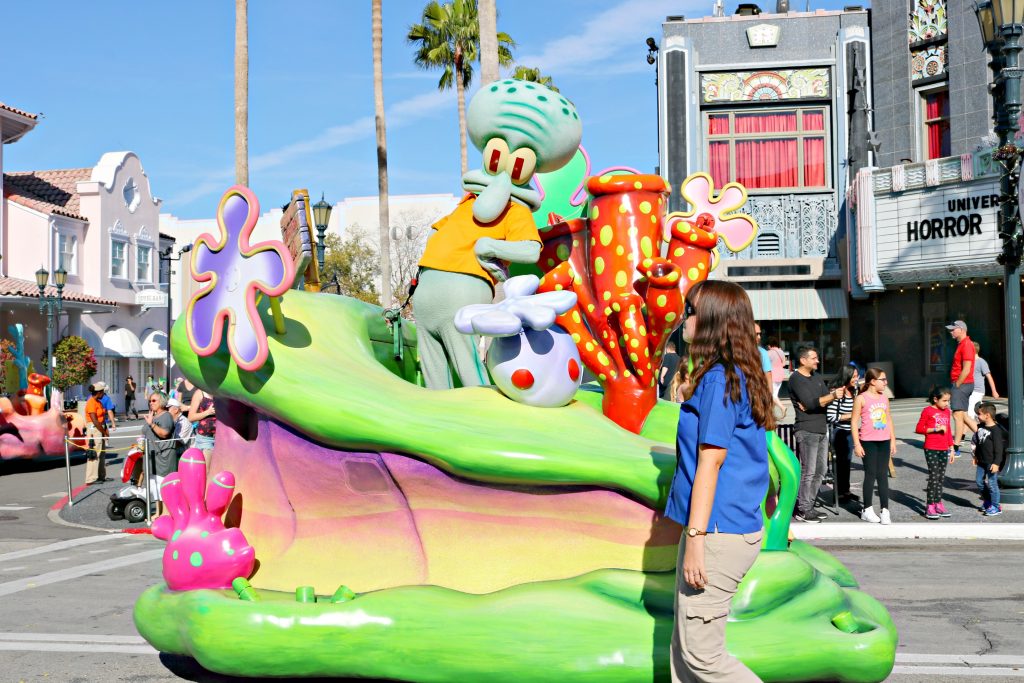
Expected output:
(76, 362)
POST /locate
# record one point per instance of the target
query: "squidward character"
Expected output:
(522, 128)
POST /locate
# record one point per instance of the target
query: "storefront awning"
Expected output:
(798, 304)
(117, 341)
(154, 344)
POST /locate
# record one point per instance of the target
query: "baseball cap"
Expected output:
(173, 403)
(957, 325)
(99, 386)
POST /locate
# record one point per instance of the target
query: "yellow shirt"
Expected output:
(450, 247)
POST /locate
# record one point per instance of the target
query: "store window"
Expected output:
(769, 149)
(67, 253)
(143, 264)
(936, 123)
(118, 259)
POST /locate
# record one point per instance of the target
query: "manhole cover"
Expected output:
(8, 518)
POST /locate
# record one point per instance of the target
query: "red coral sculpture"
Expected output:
(629, 296)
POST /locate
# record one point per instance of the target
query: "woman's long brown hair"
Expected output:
(725, 335)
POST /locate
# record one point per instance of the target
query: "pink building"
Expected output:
(101, 224)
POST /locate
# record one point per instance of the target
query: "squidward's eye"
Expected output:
(495, 155)
(520, 165)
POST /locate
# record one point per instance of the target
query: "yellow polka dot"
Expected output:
(672, 277)
(602, 377)
(662, 300)
(606, 235)
(620, 279)
(685, 229)
(559, 288)
(701, 266)
(627, 373)
(599, 265)
(635, 358)
(589, 346)
(630, 324)
(607, 311)
(646, 263)
(654, 218)
(576, 337)
(648, 366)
(657, 353)
(693, 237)
(614, 374)
(575, 243)
(605, 178)
(632, 231)
(647, 354)
(611, 345)
(595, 212)
(593, 241)
(677, 252)
(577, 280)
(562, 251)
(643, 331)
(646, 247)
(620, 250)
(645, 207)
(601, 358)
(590, 308)
(654, 381)
(669, 317)
(616, 307)
(623, 208)
(606, 296)
(634, 343)
(576, 317)
(638, 185)
(632, 308)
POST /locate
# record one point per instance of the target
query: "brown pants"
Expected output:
(698, 639)
(95, 466)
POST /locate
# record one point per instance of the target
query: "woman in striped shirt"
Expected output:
(838, 414)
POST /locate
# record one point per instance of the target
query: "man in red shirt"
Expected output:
(962, 374)
(96, 431)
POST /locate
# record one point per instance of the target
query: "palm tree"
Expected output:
(488, 11)
(449, 39)
(525, 73)
(382, 155)
(242, 92)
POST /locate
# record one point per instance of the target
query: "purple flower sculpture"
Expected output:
(235, 270)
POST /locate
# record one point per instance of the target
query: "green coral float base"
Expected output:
(791, 621)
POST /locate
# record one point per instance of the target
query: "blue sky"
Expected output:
(157, 79)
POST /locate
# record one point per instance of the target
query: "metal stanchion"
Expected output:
(146, 474)
(67, 468)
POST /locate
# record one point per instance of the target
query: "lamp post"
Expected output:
(51, 306)
(652, 59)
(166, 256)
(1002, 25)
(321, 217)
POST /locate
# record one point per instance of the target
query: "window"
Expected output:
(143, 264)
(936, 123)
(67, 253)
(118, 253)
(769, 149)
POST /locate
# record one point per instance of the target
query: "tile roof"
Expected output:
(10, 286)
(47, 191)
(7, 107)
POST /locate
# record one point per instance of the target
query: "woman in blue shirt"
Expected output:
(721, 477)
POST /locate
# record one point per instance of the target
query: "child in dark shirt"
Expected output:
(989, 456)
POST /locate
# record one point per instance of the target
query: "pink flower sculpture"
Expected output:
(715, 214)
(235, 270)
(200, 552)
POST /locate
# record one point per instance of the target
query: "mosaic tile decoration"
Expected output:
(927, 21)
(927, 62)
(760, 86)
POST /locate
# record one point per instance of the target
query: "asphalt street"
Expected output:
(66, 597)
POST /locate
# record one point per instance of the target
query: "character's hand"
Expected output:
(201, 552)
(994, 469)
(858, 450)
(693, 563)
(496, 268)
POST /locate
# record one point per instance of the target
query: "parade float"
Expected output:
(362, 525)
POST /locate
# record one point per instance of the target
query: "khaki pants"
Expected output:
(95, 466)
(698, 639)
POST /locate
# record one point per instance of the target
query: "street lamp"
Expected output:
(652, 59)
(166, 256)
(321, 217)
(51, 306)
(1002, 24)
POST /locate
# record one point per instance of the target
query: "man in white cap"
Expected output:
(182, 426)
(962, 375)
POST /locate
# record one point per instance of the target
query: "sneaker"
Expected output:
(821, 516)
(932, 513)
(809, 519)
(992, 511)
(941, 509)
(868, 515)
(885, 516)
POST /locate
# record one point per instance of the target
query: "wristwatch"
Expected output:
(694, 531)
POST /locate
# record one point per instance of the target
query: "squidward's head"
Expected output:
(522, 128)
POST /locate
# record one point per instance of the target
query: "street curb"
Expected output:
(64, 501)
(937, 530)
(54, 516)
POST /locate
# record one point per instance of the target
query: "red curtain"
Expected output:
(814, 162)
(937, 107)
(767, 163)
(766, 122)
(718, 124)
(718, 162)
(814, 120)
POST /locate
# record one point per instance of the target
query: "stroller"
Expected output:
(130, 502)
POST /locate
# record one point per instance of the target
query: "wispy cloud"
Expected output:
(604, 35)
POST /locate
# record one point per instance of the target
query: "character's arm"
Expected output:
(526, 251)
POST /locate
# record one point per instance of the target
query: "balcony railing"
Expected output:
(935, 172)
